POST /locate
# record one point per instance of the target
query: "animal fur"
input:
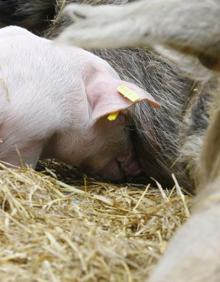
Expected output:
(171, 140)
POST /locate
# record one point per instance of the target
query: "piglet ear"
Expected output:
(107, 95)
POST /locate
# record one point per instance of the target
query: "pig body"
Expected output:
(32, 111)
(55, 101)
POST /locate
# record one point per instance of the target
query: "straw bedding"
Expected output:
(55, 226)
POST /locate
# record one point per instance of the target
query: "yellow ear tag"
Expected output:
(128, 93)
(113, 116)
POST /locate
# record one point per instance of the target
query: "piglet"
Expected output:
(55, 102)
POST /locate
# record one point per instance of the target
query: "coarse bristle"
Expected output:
(84, 230)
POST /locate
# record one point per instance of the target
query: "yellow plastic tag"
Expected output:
(128, 93)
(113, 116)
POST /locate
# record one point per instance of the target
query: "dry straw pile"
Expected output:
(56, 228)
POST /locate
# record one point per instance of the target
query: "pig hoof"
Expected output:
(75, 12)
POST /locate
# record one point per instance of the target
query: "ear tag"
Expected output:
(113, 116)
(134, 97)
(128, 93)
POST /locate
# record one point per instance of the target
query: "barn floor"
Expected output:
(56, 228)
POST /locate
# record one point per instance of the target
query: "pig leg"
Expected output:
(28, 154)
(21, 139)
(193, 253)
(188, 26)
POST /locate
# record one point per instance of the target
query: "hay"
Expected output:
(56, 228)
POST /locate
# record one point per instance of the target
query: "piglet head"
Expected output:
(110, 153)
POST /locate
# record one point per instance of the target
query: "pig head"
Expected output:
(55, 102)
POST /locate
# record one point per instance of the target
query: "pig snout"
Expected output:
(124, 167)
(130, 165)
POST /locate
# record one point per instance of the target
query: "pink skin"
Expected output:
(54, 103)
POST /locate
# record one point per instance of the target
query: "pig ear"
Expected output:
(104, 97)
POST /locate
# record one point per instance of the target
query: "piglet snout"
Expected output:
(130, 165)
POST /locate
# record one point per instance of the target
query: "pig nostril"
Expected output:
(121, 169)
(130, 167)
